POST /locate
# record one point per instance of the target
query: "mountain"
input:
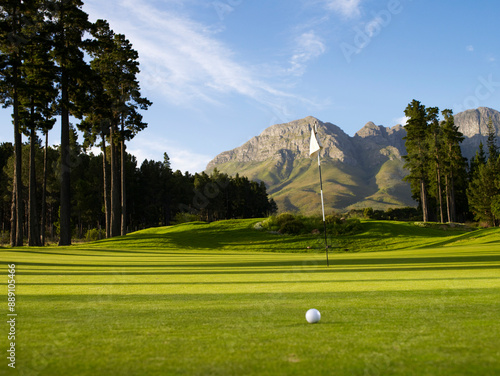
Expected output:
(365, 170)
(474, 126)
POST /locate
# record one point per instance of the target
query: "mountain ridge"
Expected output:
(364, 170)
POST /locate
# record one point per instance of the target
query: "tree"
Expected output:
(454, 162)
(416, 160)
(491, 142)
(70, 24)
(435, 156)
(116, 64)
(481, 193)
(36, 98)
(484, 187)
(12, 43)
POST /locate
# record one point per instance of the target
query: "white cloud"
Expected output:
(348, 8)
(402, 120)
(308, 47)
(470, 48)
(181, 158)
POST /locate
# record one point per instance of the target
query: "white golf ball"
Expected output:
(313, 316)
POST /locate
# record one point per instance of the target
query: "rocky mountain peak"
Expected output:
(475, 122)
(474, 126)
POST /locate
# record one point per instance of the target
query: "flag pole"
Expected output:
(315, 148)
(323, 209)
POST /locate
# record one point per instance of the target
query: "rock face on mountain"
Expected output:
(474, 126)
(365, 170)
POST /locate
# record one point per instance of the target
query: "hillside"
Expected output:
(241, 236)
(365, 170)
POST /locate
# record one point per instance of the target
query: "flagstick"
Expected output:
(323, 208)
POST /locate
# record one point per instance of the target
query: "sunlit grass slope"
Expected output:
(240, 235)
(200, 299)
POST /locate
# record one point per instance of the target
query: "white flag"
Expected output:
(315, 145)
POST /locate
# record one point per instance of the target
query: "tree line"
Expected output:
(156, 195)
(447, 187)
(54, 63)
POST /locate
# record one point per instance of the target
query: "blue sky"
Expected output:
(220, 72)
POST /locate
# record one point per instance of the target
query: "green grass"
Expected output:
(200, 299)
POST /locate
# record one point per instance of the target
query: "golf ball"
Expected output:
(313, 316)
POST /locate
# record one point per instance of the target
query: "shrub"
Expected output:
(297, 224)
(185, 218)
(368, 213)
(292, 227)
(283, 218)
(95, 234)
(4, 237)
(340, 226)
(270, 224)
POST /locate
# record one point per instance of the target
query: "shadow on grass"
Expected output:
(332, 296)
(205, 283)
(288, 263)
(313, 266)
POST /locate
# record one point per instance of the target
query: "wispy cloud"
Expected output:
(308, 47)
(183, 61)
(470, 48)
(347, 8)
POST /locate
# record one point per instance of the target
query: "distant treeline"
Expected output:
(447, 187)
(156, 195)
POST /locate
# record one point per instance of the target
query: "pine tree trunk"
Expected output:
(18, 170)
(423, 196)
(115, 188)
(123, 195)
(44, 191)
(452, 209)
(106, 184)
(65, 215)
(13, 216)
(34, 236)
(440, 194)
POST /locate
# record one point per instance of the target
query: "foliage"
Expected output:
(95, 234)
(393, 214)
(184, 217)
(434, 158)
(294, 224)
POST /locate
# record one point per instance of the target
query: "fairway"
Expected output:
(226, 299)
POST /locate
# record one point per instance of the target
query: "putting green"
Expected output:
(200, 300)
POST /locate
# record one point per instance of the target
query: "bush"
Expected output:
(185, 218)
(290, 224)
(270, 224)
(292, 227)
(404, 214)
(95, 234)
(284, 218)
(340, 226)
(4, 237)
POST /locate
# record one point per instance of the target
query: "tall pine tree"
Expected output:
(12, 47)
(416, 160)
(116, 64)
(454, 163)
(70, 24)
